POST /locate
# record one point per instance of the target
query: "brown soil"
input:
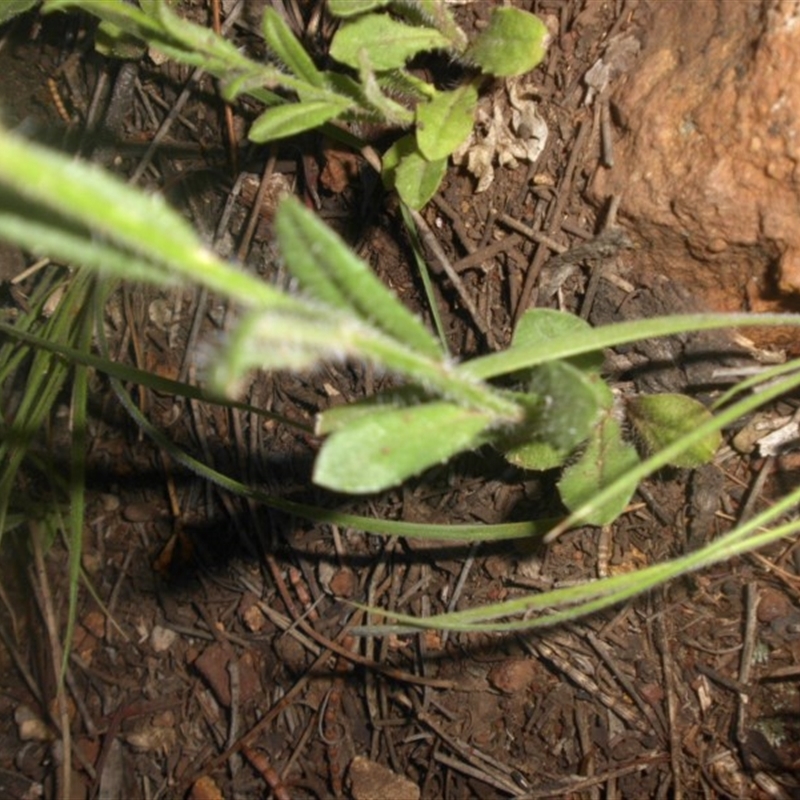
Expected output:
(211, 658)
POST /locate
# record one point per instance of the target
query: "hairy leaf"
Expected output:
(606, 458)
(444, 123)
(570, 402)
(383, 449)
(335, 275)
(513, 43)
(387, 43)
(662, 419)
(414, 177)
(352, 8)
(285, 120)
(282, 41)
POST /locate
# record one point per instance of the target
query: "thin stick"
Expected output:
(179, 104)
(216, 22)
(553, 222)
(746, 662)
(534, 235)
(486, 253)
(431, 241)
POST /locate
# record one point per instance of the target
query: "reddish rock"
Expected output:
(708, 156)
(372, 781)
(513, 675)
(213, 665)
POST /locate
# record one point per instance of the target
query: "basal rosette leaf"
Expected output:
(328, 269)
(383, 448)
(282, 41)
(663, 419)
(515, 42)
(414, 177)
(542, 328)
(288, 119)
(570, 402)
(564, 405)
(444, 123)
(13, 8)
(387, 43)
(352, 8)
(607, 457)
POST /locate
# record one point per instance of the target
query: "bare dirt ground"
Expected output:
(211, 658)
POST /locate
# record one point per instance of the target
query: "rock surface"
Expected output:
(707, 151)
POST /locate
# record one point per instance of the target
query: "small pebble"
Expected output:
(772, 605)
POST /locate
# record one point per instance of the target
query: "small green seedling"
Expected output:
(373, 46)
(552, 409)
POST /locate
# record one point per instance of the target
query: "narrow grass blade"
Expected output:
(513, 359)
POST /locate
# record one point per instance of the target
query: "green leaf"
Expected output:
(563, 406)
(386, 43)
(282, 41)
(13, 8)
(536, 455)
(383, 449)
(93, 218)
(278, 122)
(339, 417)
(446, 121)
(113, 42)
(352, 8)
(377, 104)
(513, 43)
(663, 419)
(539, 329)
(336, 276)
(404, 86)
(174, 36)
(294, 340)
(433, 14)
(607, 457)
(414, 177)
(570, 402)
